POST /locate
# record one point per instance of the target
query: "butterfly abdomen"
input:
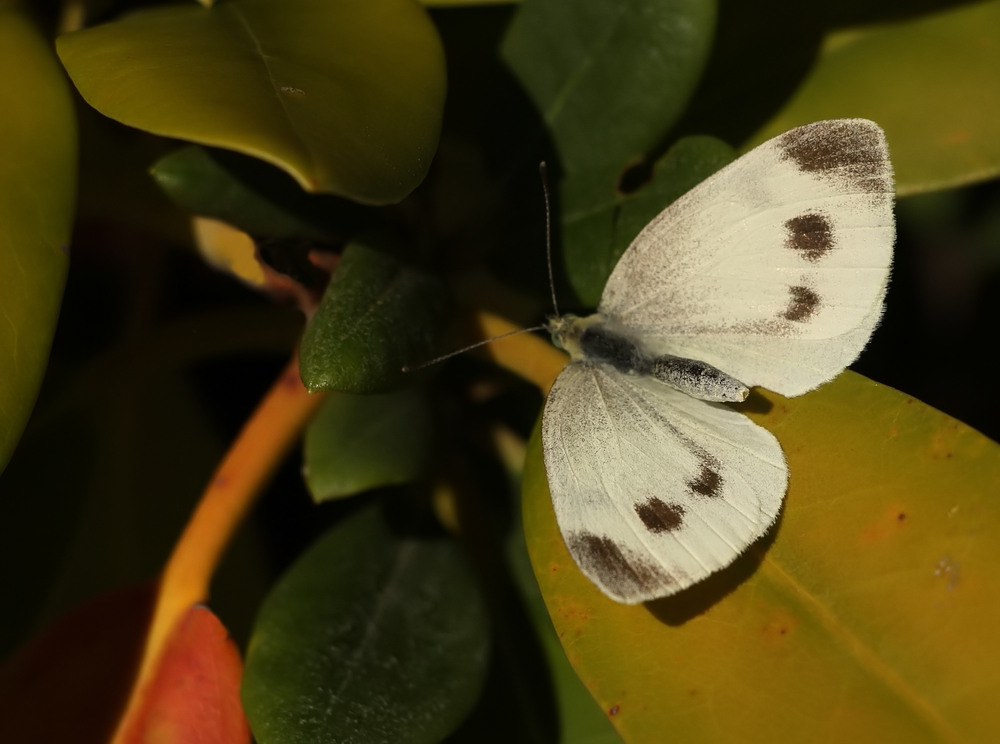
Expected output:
(698, 379)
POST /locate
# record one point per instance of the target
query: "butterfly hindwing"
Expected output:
(654, 490)
(774, 269)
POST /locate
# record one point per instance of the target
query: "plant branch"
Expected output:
(247, 467)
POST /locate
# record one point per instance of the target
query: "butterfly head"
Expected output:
(567, 332)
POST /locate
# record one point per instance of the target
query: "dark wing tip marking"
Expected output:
(611, 566)
(801, 305)
(810, 235)
(843, 149)
(659, 516)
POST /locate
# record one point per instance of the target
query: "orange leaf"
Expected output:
(194, 695)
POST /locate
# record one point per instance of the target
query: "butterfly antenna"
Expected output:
(450, 354)
(543, 171)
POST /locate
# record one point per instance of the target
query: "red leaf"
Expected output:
(71, 681)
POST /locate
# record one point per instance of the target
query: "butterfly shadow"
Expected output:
(755, 403)
(698, 599)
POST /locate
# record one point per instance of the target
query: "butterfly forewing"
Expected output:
(654, 490)
(775, 268)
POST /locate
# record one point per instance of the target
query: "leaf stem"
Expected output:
(248, 465)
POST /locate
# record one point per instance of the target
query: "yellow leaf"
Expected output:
(929, 82)
(37, 196)
(228, 249)
(869, 613)
(346, 97)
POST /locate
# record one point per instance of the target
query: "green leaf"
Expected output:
(359, 442)
(37, 193)
(864, 612)
(370, 637)
(609, 78)
(346, 97)
(924, 81)
(599, 222)
(376, 316)
(250, 195)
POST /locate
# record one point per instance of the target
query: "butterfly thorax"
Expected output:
(595, 340)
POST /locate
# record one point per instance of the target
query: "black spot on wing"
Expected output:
(708, 481)
(621, 571)
(802, 304)
(810, 235)
(847, 151)
(659, 516)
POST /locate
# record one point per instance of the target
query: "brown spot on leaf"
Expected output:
(614, 710)
(810, 235)
(841, 150)
(802, 304)
(659, 516)
(779, 624)
(886, 525)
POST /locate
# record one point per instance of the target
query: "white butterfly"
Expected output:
(772, 272)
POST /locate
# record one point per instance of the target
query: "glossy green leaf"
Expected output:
(250, 195)
(609, 78)
(864, 615)
(377, 315)
(359, 442)
(346, 97)
(370, 637)
(927, 81)
(599, 222)
(37, 193)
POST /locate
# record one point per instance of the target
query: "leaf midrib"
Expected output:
(864, 654)
(402, 560)
(585, 64)
(244, 23)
